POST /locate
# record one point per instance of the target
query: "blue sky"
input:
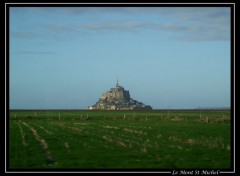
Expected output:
(66, 57)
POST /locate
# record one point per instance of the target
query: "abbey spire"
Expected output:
(117, 85)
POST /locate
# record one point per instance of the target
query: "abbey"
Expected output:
(118, 98)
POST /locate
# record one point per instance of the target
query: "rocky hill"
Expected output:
(118, 98)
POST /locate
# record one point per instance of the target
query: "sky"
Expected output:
(167, 57)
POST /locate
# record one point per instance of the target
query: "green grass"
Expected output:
(105, 139)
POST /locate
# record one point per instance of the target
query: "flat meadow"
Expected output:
(90, 139)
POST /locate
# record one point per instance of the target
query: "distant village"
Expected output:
(118, 98)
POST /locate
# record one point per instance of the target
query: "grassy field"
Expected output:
(120, 139)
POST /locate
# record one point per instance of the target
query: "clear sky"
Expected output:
(66, 57)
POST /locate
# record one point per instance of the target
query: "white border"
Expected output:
(5, 88)
(118, 4)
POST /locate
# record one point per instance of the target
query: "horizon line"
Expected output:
(203, 108)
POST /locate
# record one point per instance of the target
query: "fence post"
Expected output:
(168, 112)
(59, 116)
(200, 117)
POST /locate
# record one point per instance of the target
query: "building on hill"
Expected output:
(118, 98)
